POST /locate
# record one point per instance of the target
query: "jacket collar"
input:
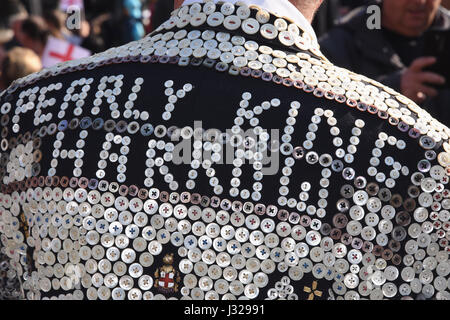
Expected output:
(280, 7)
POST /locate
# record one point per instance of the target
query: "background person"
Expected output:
(18, 63)
(394, 55)
(12, 14)
(33, 34)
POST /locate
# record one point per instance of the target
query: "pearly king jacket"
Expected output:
(221, 157)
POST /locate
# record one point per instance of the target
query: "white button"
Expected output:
(250, 26)
(262, 16)
(243, 12)
(209, 7)
(227, 8)
(215, 19)
(198, 19)
(232, 22)
(286, 38)
(268, 31)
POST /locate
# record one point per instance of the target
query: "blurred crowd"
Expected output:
(395, 55)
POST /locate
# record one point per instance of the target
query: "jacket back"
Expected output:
(208, 161)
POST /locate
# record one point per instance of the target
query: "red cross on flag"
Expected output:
(166, 280)
(65, 4)
(58, 50)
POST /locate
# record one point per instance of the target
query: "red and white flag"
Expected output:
(65, 4)
(58, 50)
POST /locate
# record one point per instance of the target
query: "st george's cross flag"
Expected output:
(58, 50)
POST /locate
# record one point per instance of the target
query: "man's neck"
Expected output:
(307, 7)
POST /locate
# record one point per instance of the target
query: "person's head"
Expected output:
(33, 34)
(409, 17)
(55, 20)
(12, 13)
(307, 7)
(18, 63)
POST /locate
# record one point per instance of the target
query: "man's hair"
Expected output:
(36, 28)
(18, 63)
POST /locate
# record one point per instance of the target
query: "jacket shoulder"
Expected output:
(366, 94)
